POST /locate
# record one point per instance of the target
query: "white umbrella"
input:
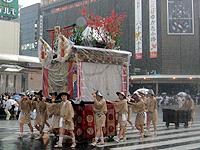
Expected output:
(182, 94)
(164, 93)
(142, 90)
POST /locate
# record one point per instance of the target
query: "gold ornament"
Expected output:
(66, 55)
(60, 57)
(45, 58)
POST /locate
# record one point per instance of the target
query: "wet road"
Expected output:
(168, 138)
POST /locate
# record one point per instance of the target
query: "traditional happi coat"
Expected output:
(40, 112)
(152, 109)
(54, 110)
(189, 104)
(139, 108)
(121, 108)
(100, 109)
(25, 107)
(67, 112)
(144, 98)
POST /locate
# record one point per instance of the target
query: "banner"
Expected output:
(153, 28)
(138, 29)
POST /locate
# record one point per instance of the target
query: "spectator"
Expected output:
(16, 96)
(7, 107)
(16, 109)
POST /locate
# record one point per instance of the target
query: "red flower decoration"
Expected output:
(111, 26)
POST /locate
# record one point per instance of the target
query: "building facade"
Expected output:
(29, 19)
(9, 41)
(17, 73)
(168, 42)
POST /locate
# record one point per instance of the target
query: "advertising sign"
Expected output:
(180, 17)
(41, 26)
(9, 8)
(138, 29)
(153, 28)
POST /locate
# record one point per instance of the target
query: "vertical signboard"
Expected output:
(138, 29)
(180, 17)
(9, 8)
(41, 26)
(153, 28)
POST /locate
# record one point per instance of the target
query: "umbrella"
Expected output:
(142, 90)
(17, 96)
(164, 93)
(182, 94)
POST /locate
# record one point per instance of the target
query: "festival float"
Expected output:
(82, 70)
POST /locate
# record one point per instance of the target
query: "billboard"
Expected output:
(180, 17)
(9, 8)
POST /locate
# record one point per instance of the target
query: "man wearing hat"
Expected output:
(121, 108)
(51, 108)
(143, 94)
(189, 104)
(139, 108)
(24, 117)
(53, 95)
(39, 104)
(54, 110)
(152, 114)
(39, 95)
(100, 109)
(66, 120)
(130, 112)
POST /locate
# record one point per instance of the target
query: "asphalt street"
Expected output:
(168, 138)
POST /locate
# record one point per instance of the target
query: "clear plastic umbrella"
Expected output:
(142, 90)
(182, 94)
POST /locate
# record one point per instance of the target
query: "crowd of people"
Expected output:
(143, 103)
(165, 100)
(9, 105)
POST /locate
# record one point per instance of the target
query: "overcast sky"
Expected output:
(26, 3)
